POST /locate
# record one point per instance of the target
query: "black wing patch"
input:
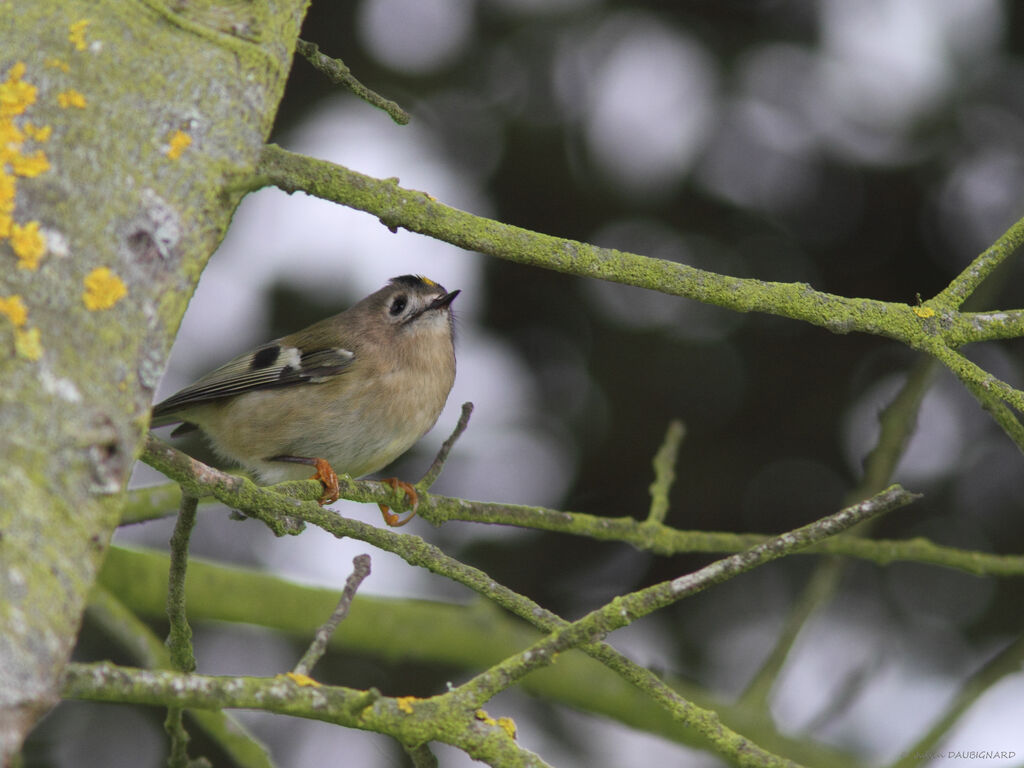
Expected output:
(266, 357)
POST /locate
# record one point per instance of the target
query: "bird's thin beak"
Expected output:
(443, 301)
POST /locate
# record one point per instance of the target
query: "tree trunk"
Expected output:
(124, 128)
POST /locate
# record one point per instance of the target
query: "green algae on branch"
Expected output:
(935, 326)
(421, 213)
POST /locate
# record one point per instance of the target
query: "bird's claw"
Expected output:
(390, 517)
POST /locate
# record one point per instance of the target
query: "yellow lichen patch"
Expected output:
(103, 289)
(16, 95)
(405, 703)
(76, 34)
(11, 137)
(71, 98)
(304, 680)
(13, 308)
(39, 133)
(55, 63)
(924, 311)
(178, 143)
(505, 723)
(7, 190)
(28, 243)
(26, 239)
(29, 165)
(27, 343)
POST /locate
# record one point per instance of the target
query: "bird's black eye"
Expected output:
(397, 304)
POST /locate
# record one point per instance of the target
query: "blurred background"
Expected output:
(870, 148)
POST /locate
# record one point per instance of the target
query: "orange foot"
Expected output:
(390, 517)
(326, 475)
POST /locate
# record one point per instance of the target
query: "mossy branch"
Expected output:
(418, 212)
(624, 610)
(240, 493)
(415, 551)
(366, 710)
(966, 283)
(935, 326)
(665, 472)
(460, 636)
(179, 638)
(584, 634)
(339, 74)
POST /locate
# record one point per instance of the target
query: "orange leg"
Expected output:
(326, 475)
(390, 517)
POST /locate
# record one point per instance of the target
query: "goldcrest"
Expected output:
(347, 394)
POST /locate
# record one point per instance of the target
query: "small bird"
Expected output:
(347, 394)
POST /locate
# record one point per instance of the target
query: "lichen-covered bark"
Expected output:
(121, 126)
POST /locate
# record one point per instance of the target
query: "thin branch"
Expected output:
(316, 650)
(995, 396)
(993, 388)
(667, 541)
(964, 284)
(442, 455)
(896, 425)
(339, 74)
(817, 592)
(622, 611)
(665, 471)
(179, 638)
(241, 493)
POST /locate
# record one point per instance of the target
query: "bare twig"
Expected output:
(316, 650)
(339, 74)
(965, 284)
(665, 471)
(442, 455)
(179, 638)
